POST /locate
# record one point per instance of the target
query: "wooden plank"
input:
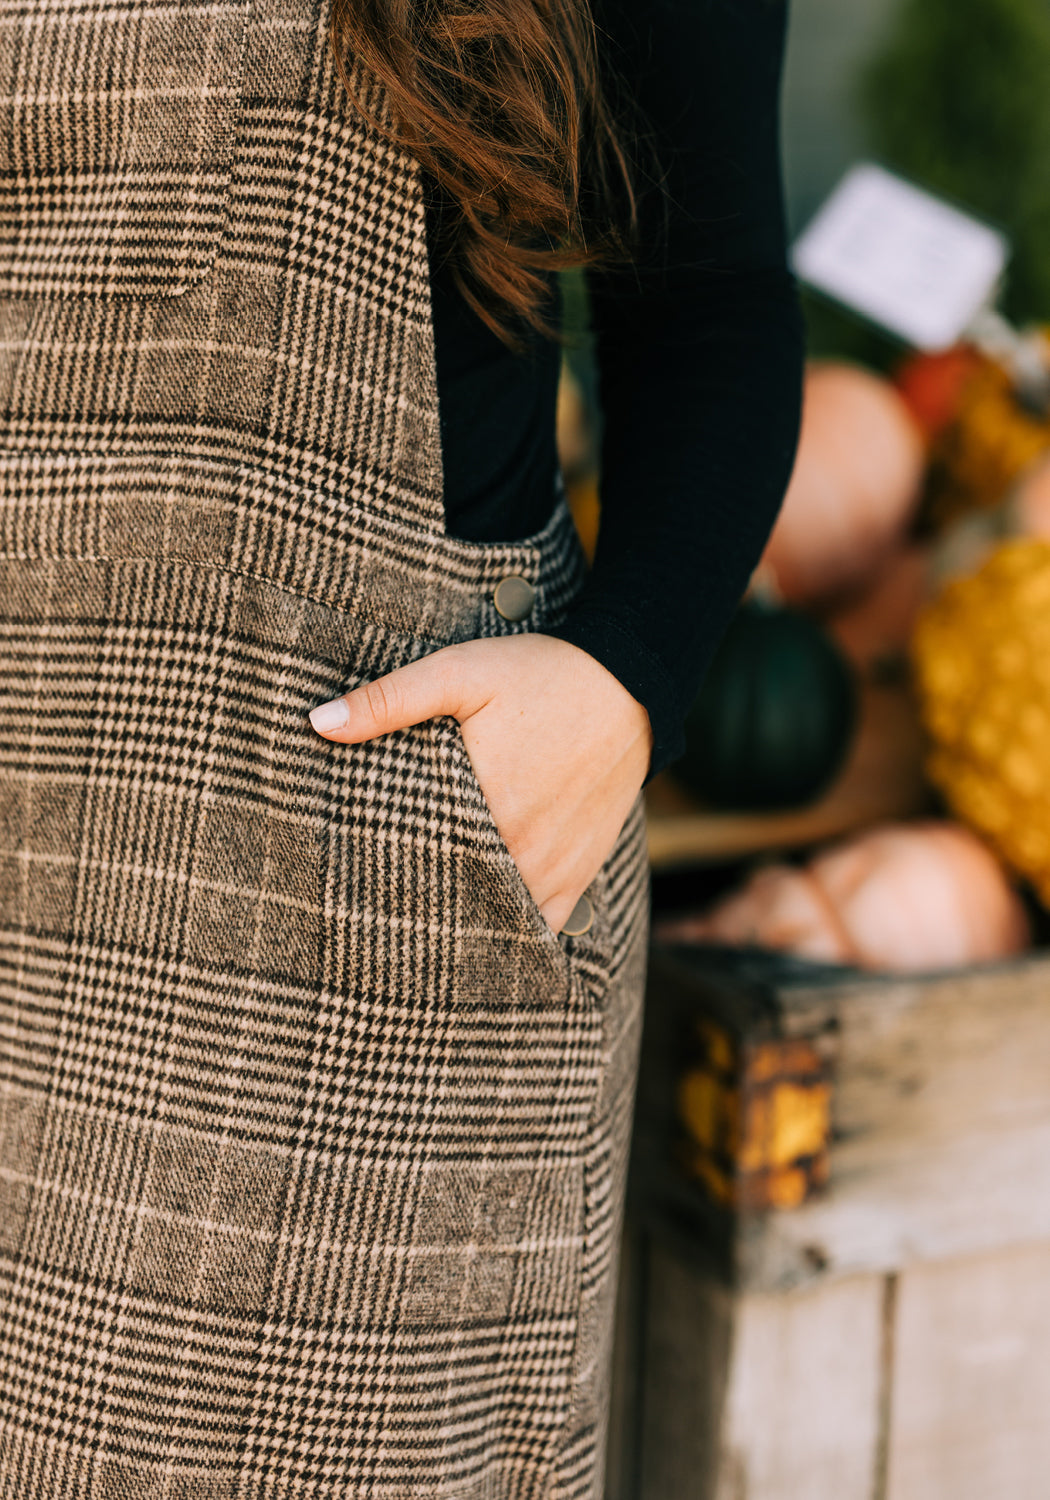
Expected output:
(907, 1309)
(802, 1408)
(970, 1416)
(941, 1128)
(758, 1397)
(882, 779)
(940, 1111)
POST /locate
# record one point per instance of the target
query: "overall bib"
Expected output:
(312, 1133)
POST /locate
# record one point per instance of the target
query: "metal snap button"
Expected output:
(514, 597)
(580, 918)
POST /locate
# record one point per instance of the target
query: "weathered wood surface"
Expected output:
(930, 1385)
(970, 1411)
(940, 1128)
(887, 1339)
(751, 1397)
(802, 1407)
(940, 1111)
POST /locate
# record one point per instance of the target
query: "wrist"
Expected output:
(634, 731)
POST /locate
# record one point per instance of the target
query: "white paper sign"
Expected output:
(901, 257)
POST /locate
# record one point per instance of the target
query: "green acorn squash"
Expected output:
(775, 717)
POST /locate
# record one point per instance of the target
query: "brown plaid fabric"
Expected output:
(312, 1134)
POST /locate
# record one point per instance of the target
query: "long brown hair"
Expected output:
(502, 102)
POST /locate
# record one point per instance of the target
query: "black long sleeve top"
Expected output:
(699, 355)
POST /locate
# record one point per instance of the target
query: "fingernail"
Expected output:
(334, 715)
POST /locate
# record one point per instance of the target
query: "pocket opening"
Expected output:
(567, 946)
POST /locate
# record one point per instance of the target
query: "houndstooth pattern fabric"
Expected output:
(312, 1134)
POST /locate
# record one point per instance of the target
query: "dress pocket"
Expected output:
(116, 138)
(591, 946)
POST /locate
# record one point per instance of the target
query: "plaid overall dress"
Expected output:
(312, 1133)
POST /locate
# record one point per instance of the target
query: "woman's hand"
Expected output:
(559, 747)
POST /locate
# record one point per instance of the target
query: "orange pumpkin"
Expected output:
(874, 628)
(855, 486)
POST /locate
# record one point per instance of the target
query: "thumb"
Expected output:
(421, 690)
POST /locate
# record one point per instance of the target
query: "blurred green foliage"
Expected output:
(957, 98)
(576, 324)
(833, 332)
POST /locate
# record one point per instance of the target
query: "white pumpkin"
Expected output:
(908, 897)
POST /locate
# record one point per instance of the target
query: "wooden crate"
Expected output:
(836, 1272)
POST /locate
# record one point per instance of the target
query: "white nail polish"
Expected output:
(334, 715)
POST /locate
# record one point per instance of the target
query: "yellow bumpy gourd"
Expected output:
(981, 655)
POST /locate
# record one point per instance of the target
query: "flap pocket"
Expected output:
(116, 138)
